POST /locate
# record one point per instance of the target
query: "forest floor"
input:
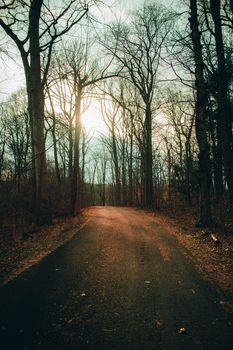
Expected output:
(214, 260)
(20, 248)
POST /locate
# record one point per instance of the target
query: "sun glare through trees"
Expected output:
(93, 121)
(124, 105)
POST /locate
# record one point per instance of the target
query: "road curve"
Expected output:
(122, 283)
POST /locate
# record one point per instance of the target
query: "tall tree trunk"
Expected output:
(71, 151)
(117, 169)
(169, 171)
(2, 154)
(201, 122)
(41, 212)
(130, 170)
(103, 182)
(124, 185)
(75, 186)
(217, 156)
(148, 176)
(55, 147)
(224, 108)
(142, 188)
(188, 162)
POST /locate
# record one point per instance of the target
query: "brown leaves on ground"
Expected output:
(213, 259)
(19, 251)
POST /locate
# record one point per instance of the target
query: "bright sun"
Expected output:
(92, 119)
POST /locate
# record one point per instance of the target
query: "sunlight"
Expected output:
(93, 121)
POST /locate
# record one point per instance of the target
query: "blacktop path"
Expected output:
(122, 283)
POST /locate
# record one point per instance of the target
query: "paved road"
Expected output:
(122, 283)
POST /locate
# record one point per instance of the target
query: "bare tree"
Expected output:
(76, 80)
(111, 115)
(15, 119)
(224, 107)
(35, 26)
(179, 139)
(137, 47)
(201, 119)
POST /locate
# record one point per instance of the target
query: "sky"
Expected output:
(11, 71)
(12, 74)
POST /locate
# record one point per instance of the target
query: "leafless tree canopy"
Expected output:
(162, 81)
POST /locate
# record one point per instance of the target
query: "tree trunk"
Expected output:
(70, 154)
(148, 176)
(57, 168)
(41, 210)
(124, 185)
(217, 156)
(55, 148)
(117, 170)
(75, 186)
(169, 171)
(103, 183)
(188, 161)
(201, 122)
(130, 169)
(224, 108)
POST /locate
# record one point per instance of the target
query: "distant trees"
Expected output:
(137, 48)
(16, 146)
(76, 75)
(15, 157)
(180, 144)
(112, 118)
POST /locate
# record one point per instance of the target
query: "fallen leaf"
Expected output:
(227, 305)
(69, 321)
(159, 324)
(182, 330)
(107, 330)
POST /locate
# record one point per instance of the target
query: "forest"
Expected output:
(160, 77)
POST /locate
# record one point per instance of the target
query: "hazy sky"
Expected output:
(11, 72)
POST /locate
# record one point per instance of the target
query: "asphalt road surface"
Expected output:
(122, 283)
